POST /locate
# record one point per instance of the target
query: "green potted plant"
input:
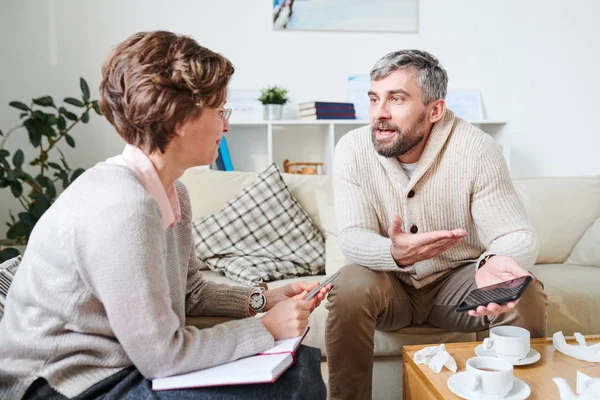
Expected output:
(34, 186)
(273, 98)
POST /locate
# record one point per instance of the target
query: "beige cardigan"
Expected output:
(461, 181)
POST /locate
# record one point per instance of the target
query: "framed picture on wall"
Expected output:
(346, 15)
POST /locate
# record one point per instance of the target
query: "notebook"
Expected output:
(265, 367)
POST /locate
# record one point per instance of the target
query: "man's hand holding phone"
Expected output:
(409, 248)
(496, 270)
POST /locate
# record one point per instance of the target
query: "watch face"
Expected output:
(257, 300)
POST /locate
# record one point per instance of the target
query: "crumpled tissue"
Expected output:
(436, 357)
(582, 352)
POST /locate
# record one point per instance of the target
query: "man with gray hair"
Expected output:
(426, 212)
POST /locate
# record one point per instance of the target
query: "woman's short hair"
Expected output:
(154, 81)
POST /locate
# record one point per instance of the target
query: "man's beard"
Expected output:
(402, 142)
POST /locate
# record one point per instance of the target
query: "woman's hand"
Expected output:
(287, 309)
(293, 289)
(288, 318)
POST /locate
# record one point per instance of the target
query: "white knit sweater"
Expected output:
(103, 286)
(461, 181)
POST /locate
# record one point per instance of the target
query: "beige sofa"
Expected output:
(565, 213)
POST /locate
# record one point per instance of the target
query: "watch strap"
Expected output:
(485, 260)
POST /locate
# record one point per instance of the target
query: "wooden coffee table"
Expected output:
(419, 382)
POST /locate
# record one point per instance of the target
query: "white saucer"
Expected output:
(531, 357)
(459, 383)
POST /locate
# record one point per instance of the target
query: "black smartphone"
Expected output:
(499, 293)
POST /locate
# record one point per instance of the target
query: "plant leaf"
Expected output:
(18, 158)
(74, 102)
(35, 137)
(19, 105)
(16, 188)
(40, 205)
(85, 117)
(67, 114)
(45, 101)
(61, 123)
(33, 182)
(8, 253)
(65, 179)
(77, 173)
(54, 165)
(23, 115)
(64, 162)
(4, 163)
(85, 89)
(18, 230)
(97, 107)
(70, 140)
(4, 153)
(1, 134)
(27, 219)
(11, 176)
(48, 185)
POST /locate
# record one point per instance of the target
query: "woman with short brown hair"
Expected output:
(98, 304)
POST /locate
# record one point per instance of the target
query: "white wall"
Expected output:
(536, 63)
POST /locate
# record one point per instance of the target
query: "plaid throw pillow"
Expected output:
(8, 269)
(262, 235)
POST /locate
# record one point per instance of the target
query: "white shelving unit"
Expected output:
(254, 145)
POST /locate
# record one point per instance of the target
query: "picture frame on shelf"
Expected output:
(244, 105)
(358, 89)
(466, 104)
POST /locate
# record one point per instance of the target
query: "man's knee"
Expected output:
(356, 285)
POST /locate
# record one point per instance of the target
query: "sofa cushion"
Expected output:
(587, 250)
(573, 297)
(260, 236)
(8, 269)
(334, 259)
(560, 211)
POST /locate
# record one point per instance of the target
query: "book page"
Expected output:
(286, 345)
(255, 369)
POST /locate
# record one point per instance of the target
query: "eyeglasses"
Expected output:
(225, 113)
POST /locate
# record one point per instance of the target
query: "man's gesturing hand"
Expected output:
(408, 248)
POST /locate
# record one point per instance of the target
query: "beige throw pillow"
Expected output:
(262, 235)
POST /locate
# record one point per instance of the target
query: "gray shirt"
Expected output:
(103, 286)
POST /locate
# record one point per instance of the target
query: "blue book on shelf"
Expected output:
(225, 156)
(219, 162)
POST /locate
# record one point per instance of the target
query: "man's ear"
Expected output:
(437, 111)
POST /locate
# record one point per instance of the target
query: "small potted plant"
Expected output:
(273, 98)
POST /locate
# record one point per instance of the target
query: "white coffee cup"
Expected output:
(490, 376)
(508, 341)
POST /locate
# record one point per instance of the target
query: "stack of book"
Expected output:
(327, 110)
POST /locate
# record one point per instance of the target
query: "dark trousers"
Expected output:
(302, 381)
